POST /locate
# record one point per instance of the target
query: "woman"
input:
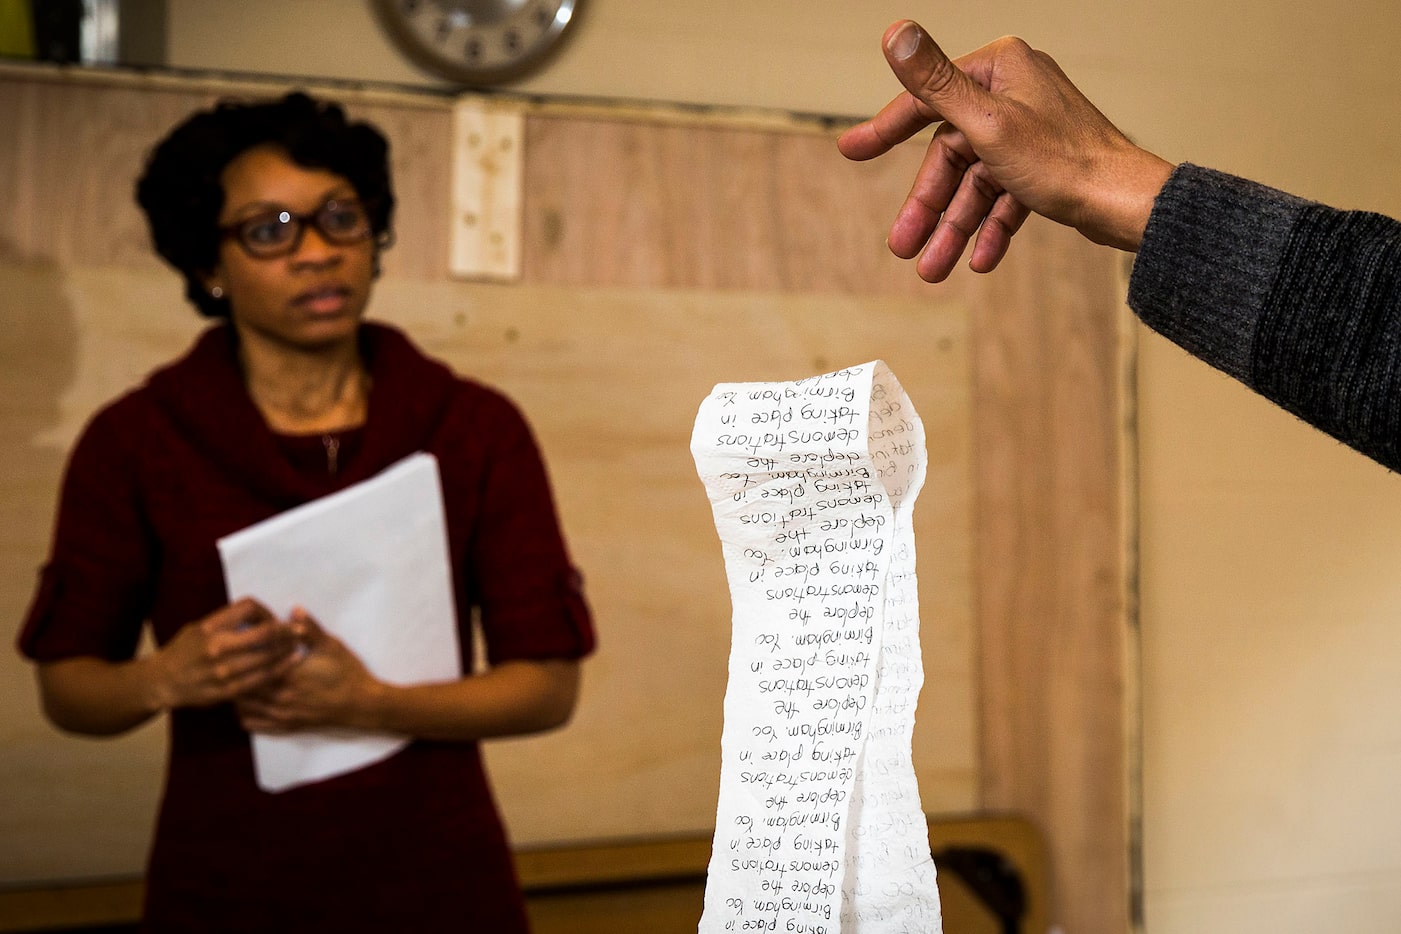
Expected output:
(275, 213)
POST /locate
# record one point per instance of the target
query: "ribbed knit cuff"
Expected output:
(1208, 259)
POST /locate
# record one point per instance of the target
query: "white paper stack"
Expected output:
(370, 564)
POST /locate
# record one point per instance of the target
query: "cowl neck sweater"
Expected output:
(206, 399)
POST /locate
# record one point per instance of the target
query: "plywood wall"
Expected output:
(662, 254)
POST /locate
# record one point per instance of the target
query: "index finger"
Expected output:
(896, 122)
(264, 648)
(243, 613)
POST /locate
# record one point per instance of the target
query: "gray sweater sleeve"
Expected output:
(1300, 302)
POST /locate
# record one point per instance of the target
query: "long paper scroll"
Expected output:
(819, 827)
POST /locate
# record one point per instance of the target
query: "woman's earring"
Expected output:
(217, 292)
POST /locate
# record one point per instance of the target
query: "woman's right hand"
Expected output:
(238, 648)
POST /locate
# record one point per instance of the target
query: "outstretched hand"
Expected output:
(1016, 137)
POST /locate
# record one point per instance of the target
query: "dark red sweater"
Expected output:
(412, 843)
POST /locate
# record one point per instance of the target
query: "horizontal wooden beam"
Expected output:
(542, 870)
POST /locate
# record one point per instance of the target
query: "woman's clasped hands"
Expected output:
(327, 685)
(281, 675)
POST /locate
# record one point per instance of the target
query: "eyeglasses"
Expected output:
(340, 221)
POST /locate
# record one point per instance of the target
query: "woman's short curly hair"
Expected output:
(182, 194)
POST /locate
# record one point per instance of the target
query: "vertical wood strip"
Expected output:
(486, 191)
(1051, 610)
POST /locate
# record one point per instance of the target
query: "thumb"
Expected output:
(307, 630)
(929, 76)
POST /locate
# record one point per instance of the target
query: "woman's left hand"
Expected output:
(328, 687)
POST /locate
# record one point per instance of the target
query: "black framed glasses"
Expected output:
(341, 221)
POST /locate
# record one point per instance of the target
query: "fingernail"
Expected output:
(903, 44)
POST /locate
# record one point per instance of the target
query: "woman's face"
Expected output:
(311, 296)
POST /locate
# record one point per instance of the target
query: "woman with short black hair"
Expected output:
(276, 213)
